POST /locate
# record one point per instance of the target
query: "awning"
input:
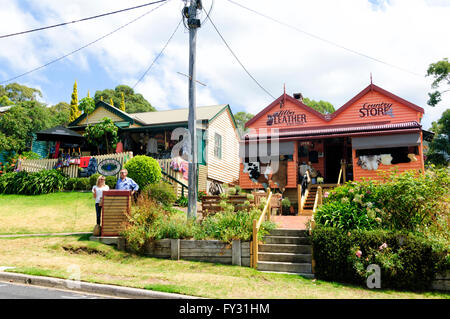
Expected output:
(61, 134)
(265, 150)
(385, 141)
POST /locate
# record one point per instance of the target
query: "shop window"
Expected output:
(218, 146)
(398, 154)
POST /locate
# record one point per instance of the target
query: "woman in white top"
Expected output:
(98, 194)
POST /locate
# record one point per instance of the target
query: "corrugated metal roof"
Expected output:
(339, 129)
(177, 115)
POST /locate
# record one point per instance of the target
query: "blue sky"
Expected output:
(315, 59)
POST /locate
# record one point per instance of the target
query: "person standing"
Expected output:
(126, 183)
(98, 190)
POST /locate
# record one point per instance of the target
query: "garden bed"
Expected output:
(214, 251)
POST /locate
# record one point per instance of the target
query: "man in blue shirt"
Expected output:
(126, 183)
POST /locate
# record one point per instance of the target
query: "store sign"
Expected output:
(286, 117)
(109, 167)
(376, 109)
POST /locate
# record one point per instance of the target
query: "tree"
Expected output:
(5, 101)
(74, 110)
(241, 118)
(441, 73)
(320, 106)
(19, 93)
(134, 102)
(122, 102)
(87, 105)
(61, 113)
(439, 151)
(102, 135)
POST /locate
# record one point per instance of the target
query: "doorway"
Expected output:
(334, 152)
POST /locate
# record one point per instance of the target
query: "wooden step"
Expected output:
(284, 257)
(287, 240)
(289, 267)
(284, 248)
(289, 232)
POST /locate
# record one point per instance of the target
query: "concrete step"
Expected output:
(285, 248)
(304, 268)
(287, 240)
(288, 232)
(285, 257)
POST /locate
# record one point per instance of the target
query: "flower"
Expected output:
(378, 219)
(383, 246)
(359, 253)
(348, 234)
(326, 194)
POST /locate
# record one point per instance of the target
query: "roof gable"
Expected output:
(118, 114)
(378, 103)
(286, 111)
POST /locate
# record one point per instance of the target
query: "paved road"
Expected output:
(20, 291)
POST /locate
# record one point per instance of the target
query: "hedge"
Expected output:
(407, 261)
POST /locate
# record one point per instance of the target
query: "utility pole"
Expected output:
(193, 23)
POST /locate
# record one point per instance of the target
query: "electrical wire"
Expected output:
(159, 54)
(83, 47)
(323, 39)
(80, 20)
(237, 59)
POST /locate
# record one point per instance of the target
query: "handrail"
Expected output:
(304, 198)
(317, 201)
(183, 186)
(256, 226)
(339, 178)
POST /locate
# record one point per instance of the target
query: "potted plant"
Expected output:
(285, 204)
(319, 180)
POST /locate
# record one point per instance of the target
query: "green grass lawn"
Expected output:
(49, 213)
(100, 263)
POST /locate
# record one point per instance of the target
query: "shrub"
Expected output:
(111, 181)
(144, 170)
(286, 202)
(407, 261)
(71, 184)
(93, 179)
(42, 182)
(83, 184)
(200, 195)
(408, 201)
(161, 192)
(182, 201)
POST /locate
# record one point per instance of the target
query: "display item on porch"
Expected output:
(152, 145)
(119, 147)
(369, 162)
(280, 176)
(386, 159)
(92, 166)
(412, 157)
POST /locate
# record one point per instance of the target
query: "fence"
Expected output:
(72, 169)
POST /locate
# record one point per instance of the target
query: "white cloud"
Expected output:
(408, 34)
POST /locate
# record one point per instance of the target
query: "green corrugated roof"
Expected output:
(177, 115)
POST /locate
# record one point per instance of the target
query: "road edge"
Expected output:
(80, 286)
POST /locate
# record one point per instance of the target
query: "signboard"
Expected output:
(376, 109)
(286, 117)
(109, 167)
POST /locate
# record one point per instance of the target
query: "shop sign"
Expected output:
(376, 109)
(109, 167)
(286, 117)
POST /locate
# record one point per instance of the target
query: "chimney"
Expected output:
(298, 96)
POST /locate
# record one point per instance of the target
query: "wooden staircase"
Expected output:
(286, 251)
(311, 197)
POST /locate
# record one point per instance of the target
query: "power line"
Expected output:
(237, 59)
(80, 20)
(323, 39)
(85, 46)
(159, 54)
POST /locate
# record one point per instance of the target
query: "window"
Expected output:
(218, 146)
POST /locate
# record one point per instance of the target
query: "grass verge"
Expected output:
(99, 263)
